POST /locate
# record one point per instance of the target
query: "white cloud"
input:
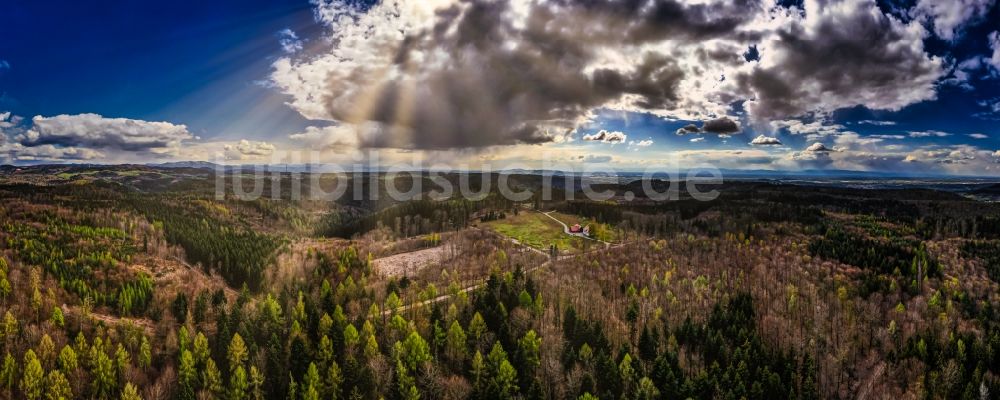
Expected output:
(605, 136)
(697, 139)
(290, 42)
(994, 60)
(5, 121)
(978, 136)
(818, 128)
(949, 17)
(817, 147)
(95, 131)
(877, 123)
(248, 149)
(339, 138)
(888, 137)
(841, 54)
(644, 143)
(765, 141)
(16, 152)
(925, 134)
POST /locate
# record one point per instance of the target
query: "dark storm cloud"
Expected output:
(718, 126)
(525, 82)
(688, 129)
(721, 126)
(479, 73)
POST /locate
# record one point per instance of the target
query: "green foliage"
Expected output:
(237, 352)
(414, 351)
(33, 378)
(57, 387)
(57, 317)
(80, 257)
(239, 254)
(8, 371)
(880, 256)
(130, 392)
(103, 381)
(238, 384)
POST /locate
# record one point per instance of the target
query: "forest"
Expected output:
(124, 287)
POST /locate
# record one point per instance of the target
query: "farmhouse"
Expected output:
(577, 229)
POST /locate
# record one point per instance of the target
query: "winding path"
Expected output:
(567, 231)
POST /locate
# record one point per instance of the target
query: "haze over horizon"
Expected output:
(904, 87)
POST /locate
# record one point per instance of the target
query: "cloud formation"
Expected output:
(88, 137)
(95, 131)
(338, 138)
(719, 126)
(606, 137)
(949, 17)
(818, 148)
(449, 74)
(248, 149)
(289, 41)
(994, 60)
(841, 54)
(765, 141)
(926, 134)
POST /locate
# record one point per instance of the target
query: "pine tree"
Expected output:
(57, 317)
(32, 382)
(5, 287)
(455, 344)
(238, 384)
(130, 392)
(371, 347)
(530, 346)
(311, 383)
(9, 328)
(503, 377)
(46, 351)
(211, 379)
(477, 327)
(325, 352)
(478, 369)
(67, 360)
(57, 387)
(237, 352)
(8, 372)
(145, 353)
(351, 337)
(334, 382)
(122, 361)
(415, 351)
(256, 384)
(200, 351)
(103, 373)
(183, 339)
(187, 375)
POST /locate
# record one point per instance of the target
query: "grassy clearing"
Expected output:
(598, 230)
(536, 230)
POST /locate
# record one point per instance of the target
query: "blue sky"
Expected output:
(912, 86)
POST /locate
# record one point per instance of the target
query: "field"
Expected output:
(538, 231)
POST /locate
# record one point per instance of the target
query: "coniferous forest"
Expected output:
(143, 287)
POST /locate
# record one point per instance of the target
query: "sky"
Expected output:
(908, 87)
